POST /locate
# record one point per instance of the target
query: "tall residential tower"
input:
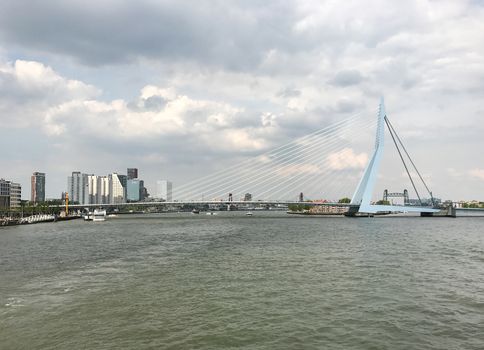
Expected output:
(37, 182)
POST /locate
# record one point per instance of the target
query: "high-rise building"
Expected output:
(132, 173)
(10, 194)
(117, 188)
(164, 190)
(102, 190)
(74, 186)
(91, 190)
(78, 187)
(133, 190)
(144, 192)
(37, 182)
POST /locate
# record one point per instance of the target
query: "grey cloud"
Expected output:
(152, 103)
(347, 78)
(289, 92)
(234, 35)
(114, 32)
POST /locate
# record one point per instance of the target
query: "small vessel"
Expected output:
(211, 213)
(249, 213)
(99, 215)
(195, 211)
(88, 216)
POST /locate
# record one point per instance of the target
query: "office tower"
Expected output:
(132, 173)
(37, 183)
(133, 190)
(164, 189)
(144, 192)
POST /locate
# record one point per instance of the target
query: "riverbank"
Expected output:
(35, 219)
(308, 213)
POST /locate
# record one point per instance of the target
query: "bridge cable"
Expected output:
(274, 165)
(307, 177)
(403, 160)
(410, 158)
(272, 153)
(278, 167)
(291, 166)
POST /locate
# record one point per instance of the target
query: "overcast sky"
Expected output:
(182, 88)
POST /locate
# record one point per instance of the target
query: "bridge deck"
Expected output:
(378, 208)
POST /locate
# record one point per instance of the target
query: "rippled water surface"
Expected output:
(270, 281)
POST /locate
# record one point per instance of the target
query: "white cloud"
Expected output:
(347, 159)
(69, 108)
(477, 173)
(28, 89)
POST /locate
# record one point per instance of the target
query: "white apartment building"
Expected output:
(164, 190)
(117, 188)
(77, 186)
(102, 190)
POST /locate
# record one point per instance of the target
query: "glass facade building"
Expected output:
(133, 190)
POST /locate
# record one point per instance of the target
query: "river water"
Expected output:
(271, 281)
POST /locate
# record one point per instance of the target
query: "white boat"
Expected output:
(249, 213)
(99, 215)
(88, 216)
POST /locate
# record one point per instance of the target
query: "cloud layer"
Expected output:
(167, 84)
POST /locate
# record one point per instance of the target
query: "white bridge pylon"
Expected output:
(364, 190)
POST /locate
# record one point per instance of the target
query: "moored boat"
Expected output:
(99, 215)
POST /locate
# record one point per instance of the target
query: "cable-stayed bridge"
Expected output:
(320, 165)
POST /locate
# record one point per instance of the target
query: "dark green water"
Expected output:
(270, 281)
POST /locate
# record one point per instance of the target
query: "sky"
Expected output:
(180, 89)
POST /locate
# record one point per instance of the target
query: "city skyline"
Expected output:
(181, 99)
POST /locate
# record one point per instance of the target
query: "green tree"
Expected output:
(344, 200)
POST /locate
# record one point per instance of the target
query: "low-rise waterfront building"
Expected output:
(4, 194)
(326, 210)
(10, 194)
(15, 195)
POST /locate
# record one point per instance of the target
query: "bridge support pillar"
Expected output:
(449, 212)
(352, 211)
